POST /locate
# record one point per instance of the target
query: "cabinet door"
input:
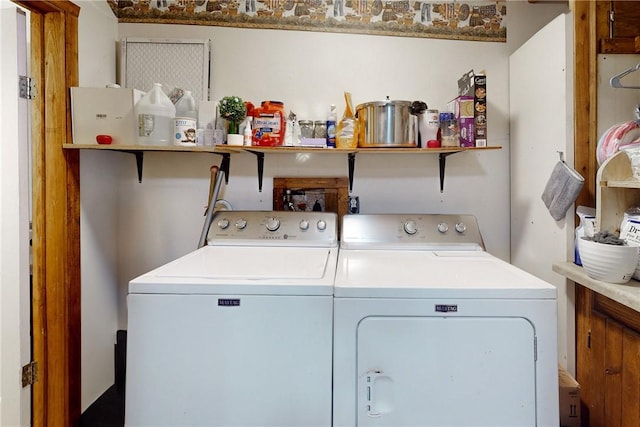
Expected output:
(618, 26)
(626, 19)
(608, 365)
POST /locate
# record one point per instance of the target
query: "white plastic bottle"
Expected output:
(155, 113)
(332, 117)
(186, 106)
(247, 133)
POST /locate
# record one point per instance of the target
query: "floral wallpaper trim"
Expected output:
(473, 20)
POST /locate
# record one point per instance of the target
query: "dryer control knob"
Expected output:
(273, 224)
(461, 227)
(443, 227)
(304, 224)
(410, 227)
(223, 223)
(322, 225)
(241, 224)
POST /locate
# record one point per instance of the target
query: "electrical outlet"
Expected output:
(354, 204)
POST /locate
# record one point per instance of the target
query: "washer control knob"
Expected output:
(443, 227)
(322, 225)
(410, 227)
(223, 223)
(241, 224)
(304, 224)
(461, 227)
(273, 224)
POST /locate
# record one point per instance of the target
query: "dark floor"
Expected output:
(106, 411)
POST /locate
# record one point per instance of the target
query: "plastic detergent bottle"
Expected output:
(186, 106)
(155, 113)
(269, 124)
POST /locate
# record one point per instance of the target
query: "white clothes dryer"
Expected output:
(239, 332)
(431, 330)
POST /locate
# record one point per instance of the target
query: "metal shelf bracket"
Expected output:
(352, 167)
(443, 163)
(260, 158)
(139, 161)
(225, 165)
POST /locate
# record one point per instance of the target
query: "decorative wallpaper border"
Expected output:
(473, 20)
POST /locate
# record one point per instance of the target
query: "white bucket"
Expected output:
(184, 131)
(155, 113)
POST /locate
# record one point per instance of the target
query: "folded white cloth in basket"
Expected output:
(561, 190)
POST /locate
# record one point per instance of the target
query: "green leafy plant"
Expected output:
(233, 109)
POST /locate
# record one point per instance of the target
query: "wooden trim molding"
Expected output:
(585, 97)
(56, 215)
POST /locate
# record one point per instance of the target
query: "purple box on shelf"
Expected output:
(462, 108)
(474, 86)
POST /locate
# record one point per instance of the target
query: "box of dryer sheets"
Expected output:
(104, 111)
(474, 86)
(569, 399)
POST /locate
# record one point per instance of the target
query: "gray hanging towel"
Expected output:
(562, 190)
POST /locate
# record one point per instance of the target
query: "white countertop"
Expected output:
(627, 294)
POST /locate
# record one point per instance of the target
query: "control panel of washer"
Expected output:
(274, 226)
(424, 231)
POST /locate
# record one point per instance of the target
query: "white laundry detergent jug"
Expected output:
(186, 106)
(155, 113)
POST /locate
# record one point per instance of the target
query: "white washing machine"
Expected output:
(431, 330)
(239, 332)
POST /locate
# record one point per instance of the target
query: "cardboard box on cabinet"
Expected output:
(104, 111)
(569, 399)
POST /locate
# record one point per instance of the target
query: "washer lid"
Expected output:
(432, 274)
(244, 271)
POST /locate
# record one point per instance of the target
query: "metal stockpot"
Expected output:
(386, 124)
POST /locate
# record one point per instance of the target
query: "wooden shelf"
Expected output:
(273, 150)
(629, 183)
(259, 152)
(627, 294)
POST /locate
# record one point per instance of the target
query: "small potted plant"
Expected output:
(233, 110)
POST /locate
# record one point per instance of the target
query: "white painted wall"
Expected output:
(139, 226)
(541, 109)
(616, 105)
(99, 173)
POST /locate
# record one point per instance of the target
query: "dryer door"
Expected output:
(446, 371)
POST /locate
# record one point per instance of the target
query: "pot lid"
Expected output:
(386, 103)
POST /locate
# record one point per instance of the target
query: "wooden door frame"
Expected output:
(56, 215)
(56, 186)
(585, 96)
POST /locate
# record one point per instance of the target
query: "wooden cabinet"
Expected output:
(618, 26)
(608, 332)
(607, 360)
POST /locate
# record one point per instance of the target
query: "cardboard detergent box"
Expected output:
(472, 86)
(569, 399)
(104, 111)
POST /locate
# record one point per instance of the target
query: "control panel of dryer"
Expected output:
(422, 231)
